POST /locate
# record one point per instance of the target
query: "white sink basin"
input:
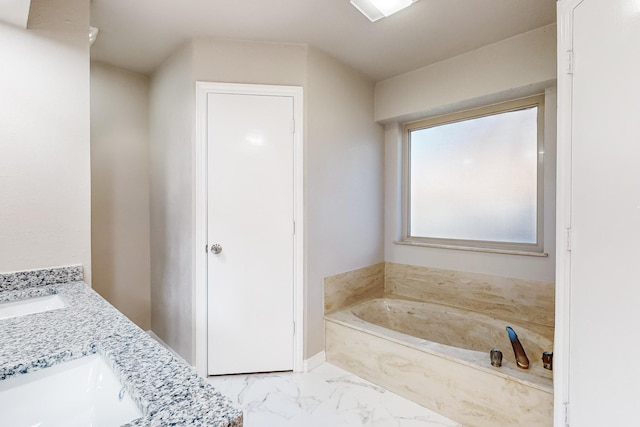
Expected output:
(31, 306)
(80, 393)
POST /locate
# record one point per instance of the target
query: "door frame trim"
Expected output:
(561, 346)
(200, 331)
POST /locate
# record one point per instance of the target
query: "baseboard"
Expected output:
(314, 361)
(165, 345)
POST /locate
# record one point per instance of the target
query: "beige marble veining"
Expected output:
(348, 288)
(426, 336)
(452, 326)
(475, 397)
(468, 342)
(502, 297)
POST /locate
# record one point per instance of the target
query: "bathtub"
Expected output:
(438, 356)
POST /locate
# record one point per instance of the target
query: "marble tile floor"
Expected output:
(324, 397)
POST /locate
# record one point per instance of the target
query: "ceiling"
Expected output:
(138, 35)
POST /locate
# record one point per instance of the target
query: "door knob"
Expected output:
(216, 249)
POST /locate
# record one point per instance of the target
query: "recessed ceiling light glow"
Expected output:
(378, 9)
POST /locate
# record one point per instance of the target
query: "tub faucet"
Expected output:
(521, 357)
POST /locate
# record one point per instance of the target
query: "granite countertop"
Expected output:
(166, 389)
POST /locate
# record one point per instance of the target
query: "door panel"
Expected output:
(250, 214)
(605, 191)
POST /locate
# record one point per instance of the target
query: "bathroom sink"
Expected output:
(80, 393)
(31, 306)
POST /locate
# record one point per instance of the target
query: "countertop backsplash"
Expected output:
(39, 277)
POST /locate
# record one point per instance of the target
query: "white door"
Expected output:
(604, 380)
(251, 217)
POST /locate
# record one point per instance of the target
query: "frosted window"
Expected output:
(476, 179)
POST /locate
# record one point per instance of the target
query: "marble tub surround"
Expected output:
(439, 356)
(168, 392)
(454, 334)
(472, 396)
(18, 280)
(461, 334)
(342, 290)
(505, 298)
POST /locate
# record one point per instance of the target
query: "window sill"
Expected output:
(472, 249)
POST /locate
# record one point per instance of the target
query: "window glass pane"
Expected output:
(476, 179)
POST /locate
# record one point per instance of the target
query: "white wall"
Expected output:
(171, 121)
(344, 182)
(229, 61)
(343, 179)
(505, 70)
(44, 139)
(343, 156)
(495, 73)
(344, 164)
(120, 190)
(172, 174)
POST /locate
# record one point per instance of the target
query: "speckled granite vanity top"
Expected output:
(168, 392)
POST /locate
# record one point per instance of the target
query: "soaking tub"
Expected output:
(438, 356)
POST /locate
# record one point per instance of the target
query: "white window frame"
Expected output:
(536, 248)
